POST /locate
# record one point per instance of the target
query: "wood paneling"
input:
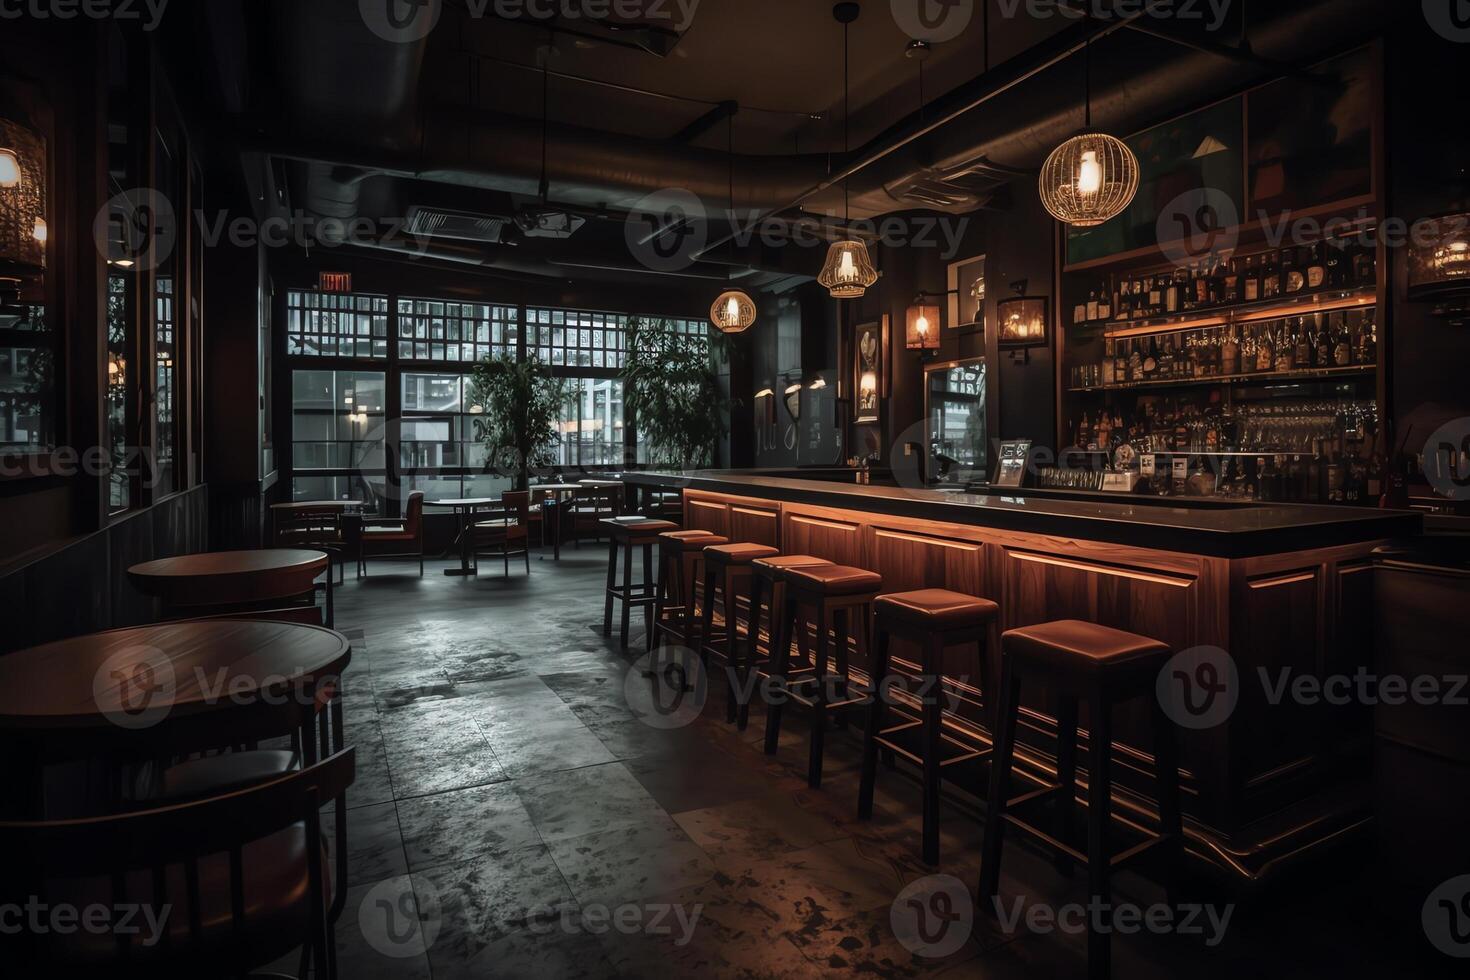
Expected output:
(755, 525)
(821, 537)
(911, 561)
(708, 515)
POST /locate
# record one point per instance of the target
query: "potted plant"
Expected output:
(670, 382)
(519, 405)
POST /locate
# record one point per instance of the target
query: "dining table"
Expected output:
(551, 501)
(133, 693)
(463, 507)
(230, 578)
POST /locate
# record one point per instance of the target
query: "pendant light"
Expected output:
(9, 169)
(1092, 177)
(734, 310)
(921, 329)
(848, 271)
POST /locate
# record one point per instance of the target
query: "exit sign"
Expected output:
(334, 282)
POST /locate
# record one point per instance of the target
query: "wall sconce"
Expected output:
(1022, 325)
(23, 231)
(1439, 265)
(765, 406)
(793, 401)
(922, 330)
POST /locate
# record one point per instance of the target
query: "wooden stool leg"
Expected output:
(752, 648)
(932, 730)
(1066, 776)
(1008, 707)
(732, 646)
(780, 665)
(1099, 857)
(707, 613)
(647, 588)
(840, 627)
(612, 581)
(627, 591)
(876, 713)
(1171, 819)
(819, 700)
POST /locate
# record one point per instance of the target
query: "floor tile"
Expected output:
(463, 824)
(631, 864)
(586, 801)
(374, 845)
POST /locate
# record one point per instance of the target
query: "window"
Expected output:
(441, 451)
(577, 338)
(27, 378)
(336, 324)
(338, 428)
(119, 340)
(434, 330)
(165, 437)
(591, 425)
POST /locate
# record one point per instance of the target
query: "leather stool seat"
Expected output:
(1073, 644)
(740, 553)
(619, 528)
(782, 563)
(690, 540)
(938, 609)
(835, 580)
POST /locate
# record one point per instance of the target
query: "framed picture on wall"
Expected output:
(1022, 321)
(966, 284)
(869, 369)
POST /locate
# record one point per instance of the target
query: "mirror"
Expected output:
(954, 421)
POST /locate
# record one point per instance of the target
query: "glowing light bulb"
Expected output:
(732, 310)
(39, 232)
(922, 326)
(847, 270)
(1089, 174)
(9, 169)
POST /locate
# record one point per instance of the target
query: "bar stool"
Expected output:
(625, 534)
(767, 576)
(1105, 666)
(726, 568)
(833, 593)
(935, 619)
(680, 560)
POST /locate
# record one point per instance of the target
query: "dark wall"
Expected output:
(1428, 148)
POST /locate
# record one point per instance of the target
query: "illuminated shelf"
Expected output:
(1316, 374)
(1271, 309)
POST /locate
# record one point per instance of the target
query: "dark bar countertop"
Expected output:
(1240, 530)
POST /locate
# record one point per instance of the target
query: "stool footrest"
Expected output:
(1118, 860)
(1046, 838)
(849, 702)
(966, 754)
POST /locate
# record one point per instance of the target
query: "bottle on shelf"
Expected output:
(1316, 265)
(1250, 289)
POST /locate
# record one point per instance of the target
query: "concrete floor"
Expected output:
(513, 816)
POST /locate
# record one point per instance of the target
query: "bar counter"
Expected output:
(1278, 587)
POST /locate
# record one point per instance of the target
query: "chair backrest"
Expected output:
(307, 525)
(413, 513)
(598, 500)
(137, 856)
(517, 505)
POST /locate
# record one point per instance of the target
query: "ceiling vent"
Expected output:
(461, 225)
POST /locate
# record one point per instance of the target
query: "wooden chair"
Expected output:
(505, 531)
(235, 881)
(395, 539)
(590, 507)
(317, 528)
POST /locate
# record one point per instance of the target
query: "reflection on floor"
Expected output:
(512, 816)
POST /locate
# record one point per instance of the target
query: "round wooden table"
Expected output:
(215, 578)
(126, 693)
(462, 507)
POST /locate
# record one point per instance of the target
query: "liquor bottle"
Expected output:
(1092, 306)
(1151, 360)
(1156, 296)
(1265, 350)
(1365, 262)
(1105, 370)
(1230, 290)
(1079, 313)
(1316, 271)
(1171, 293)
(1250, 289)
(1367, 349)
(1135, 362)
(1271, 276)
(1104, 304)
(1337, 263)
(1303, 345)
(1166, 358)
(1293, 279)
(1342, 347)
(1285, 350)
(1202, 284)
(1120, 363)
(1321, 344)
(1230, 354)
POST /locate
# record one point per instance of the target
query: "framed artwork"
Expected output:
(966, 285)
(1022, 321)
(869, 369)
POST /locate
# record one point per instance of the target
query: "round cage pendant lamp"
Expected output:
(848, 271)
(733, 311)
(1092, 177)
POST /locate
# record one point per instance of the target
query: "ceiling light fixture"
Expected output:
(734, 311)
(848, 271)
(9, 169)
(1092, 177)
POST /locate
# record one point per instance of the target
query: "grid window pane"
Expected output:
(337, 324)
(337, 432)
(590, 430)
(436, 330)
(577, 338)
